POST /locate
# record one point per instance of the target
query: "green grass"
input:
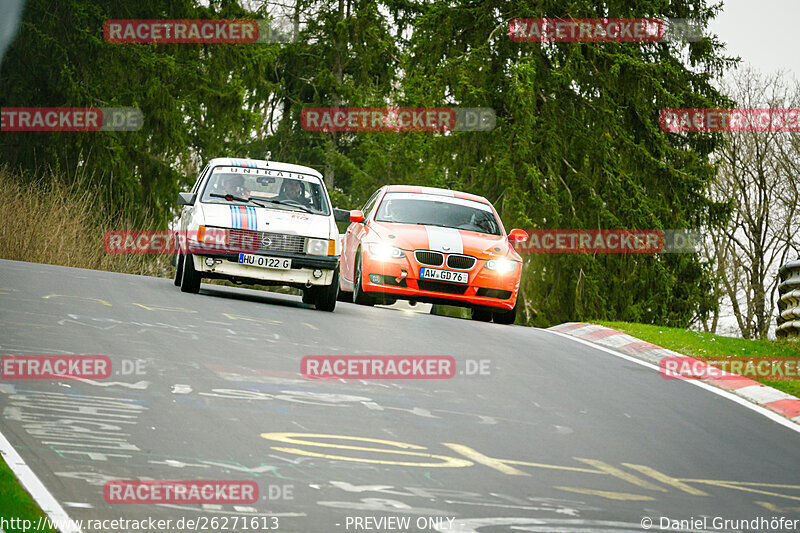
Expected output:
(699, 344)
(16, 503)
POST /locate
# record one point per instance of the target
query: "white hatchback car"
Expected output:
(260, 222)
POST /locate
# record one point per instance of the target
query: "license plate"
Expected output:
(279, 263)
(444, 275)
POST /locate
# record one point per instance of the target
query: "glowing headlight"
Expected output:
(381, 251)
(501, 265)
(317, 246)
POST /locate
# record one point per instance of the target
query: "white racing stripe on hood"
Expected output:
(446, 240)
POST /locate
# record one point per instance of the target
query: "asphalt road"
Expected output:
(557, 436)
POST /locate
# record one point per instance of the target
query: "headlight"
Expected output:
(501, 266)
(381, 251)
(213, 236)
(319, 246)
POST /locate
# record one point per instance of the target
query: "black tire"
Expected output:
(481, 315)
(178, 268)
(190, 280)
(505, 317)
(344, 296)
(359, 296)
(325, 296)
(308, 295)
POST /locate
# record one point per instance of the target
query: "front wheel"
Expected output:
(178, 268)
(506, 317)
(190, 280)
(359, 296)
(481, 315)
(325, 297)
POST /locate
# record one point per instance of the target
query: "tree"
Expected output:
(759, 176)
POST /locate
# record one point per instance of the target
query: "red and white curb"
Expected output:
(777, 401)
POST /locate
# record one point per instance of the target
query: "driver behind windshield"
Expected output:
(401, 211)
(232, 184)
(294, 191)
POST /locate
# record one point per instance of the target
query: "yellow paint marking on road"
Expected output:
(774, 508)
(296, 438)
(311, 326)
(78, 297)
(447, 462)
(161, 308)
(251, 319)
(478, 457)
(622, 496)
(7, 290)
(10, 323)
(748, 483)
(620, 474)
(665, 479)
(736, 486)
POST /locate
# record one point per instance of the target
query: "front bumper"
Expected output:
(300, 273)
(486, 288)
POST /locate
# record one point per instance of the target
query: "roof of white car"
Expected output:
(261, 163)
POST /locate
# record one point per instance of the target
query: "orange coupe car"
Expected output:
(432, 245)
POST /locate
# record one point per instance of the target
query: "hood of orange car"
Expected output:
(447, 240)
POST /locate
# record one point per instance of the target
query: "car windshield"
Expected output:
(278, 190)
(433, 210)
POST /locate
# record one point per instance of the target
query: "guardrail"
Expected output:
(789, 301)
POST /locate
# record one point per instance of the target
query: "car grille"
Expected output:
(429, 258)
(460, 262)
(441, 286)
(267, 242)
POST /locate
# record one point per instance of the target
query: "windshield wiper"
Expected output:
(230, 197)
(291, 204)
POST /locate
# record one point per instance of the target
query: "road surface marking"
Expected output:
(485, 460)
(619, 474)
(161, 308)
(665, 479)
(251, 319)
(291, 438)
(621, 496)
(775, 417)
(78, 297)
(35, 488)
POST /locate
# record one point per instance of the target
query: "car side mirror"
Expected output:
(356, 216)
(341, 215)
(186, 198)
(518, 235)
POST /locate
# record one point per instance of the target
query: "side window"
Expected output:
(200, 179)
(370, 204)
